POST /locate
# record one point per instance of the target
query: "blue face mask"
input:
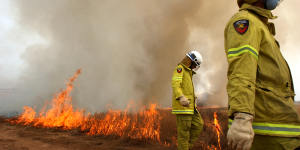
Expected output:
(271, 4)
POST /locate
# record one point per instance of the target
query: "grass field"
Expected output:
(208, 138)
(18, 137)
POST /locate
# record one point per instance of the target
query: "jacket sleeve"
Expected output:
(177, 81)
(242, 50)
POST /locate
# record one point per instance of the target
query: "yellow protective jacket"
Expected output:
(259, 78)
(182, 85)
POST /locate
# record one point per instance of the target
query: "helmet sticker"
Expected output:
(241, 26)
(179, 70)
(192, 56)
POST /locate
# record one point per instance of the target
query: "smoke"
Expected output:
(127, 50)
(287, 28)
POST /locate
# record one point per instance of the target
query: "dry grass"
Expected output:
(208, 136)
(207, 140)
(298, 107)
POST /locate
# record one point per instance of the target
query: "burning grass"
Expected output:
(143, 125)
(149, 124)
(208, 139)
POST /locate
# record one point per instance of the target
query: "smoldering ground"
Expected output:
(127, 50)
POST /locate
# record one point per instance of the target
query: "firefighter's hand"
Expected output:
(184, 101)
(240, 134)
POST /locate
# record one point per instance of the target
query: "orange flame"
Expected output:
(218, 128)
(141, 125)
(61, 113)
(136, 126)
(211, 147)
(27, 117)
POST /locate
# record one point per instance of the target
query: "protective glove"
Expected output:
(240, 135)
(184, 101)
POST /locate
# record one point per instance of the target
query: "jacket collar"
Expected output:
(188, 68)
(263, 14)
(260, 11)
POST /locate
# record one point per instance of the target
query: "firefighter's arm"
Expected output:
(242, 50)
(177, 81)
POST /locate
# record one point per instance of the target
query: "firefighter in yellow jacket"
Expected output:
(188, 119)
(260, 86)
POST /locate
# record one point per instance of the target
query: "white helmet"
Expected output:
(196, 57)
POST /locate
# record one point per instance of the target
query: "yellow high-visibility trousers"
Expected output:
(262, 142)
(189, 128)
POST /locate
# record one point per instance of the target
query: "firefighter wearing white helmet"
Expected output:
(196, 58)
(188, 119)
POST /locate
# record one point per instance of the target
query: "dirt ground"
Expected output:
(15, 137)
(18, 137)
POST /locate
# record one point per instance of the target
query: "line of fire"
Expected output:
(150, 124)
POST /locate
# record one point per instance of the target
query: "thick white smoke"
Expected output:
(127, 50)
(288, 31)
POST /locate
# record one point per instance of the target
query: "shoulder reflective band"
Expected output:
(183, 111)
(274, 129)
(243, 49)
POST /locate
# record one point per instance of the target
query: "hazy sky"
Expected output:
(14, 41)
(31, 34)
